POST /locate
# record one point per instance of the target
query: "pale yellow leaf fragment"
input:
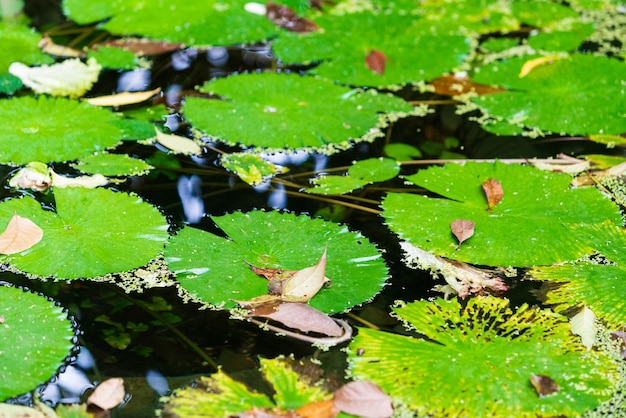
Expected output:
(305, 283)
(584, 325)
(108, 394)
(178, 144)
(122, 99)
(530, 65)
(19, 235)
(89, 182)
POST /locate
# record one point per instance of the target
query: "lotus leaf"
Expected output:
(20, 44)
(251, 168)
(91, 232)
(538, 222)
(112, 165)
(36, 336)
(290, 111)
(360, 174)
(478, 359)
(215, 270)
(54, 129)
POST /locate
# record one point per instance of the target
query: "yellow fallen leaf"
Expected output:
(19, 235)
(122, 99)
(537, 62)
(108, 394)
(305, 283)
(178, 144)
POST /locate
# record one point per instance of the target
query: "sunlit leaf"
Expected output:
(48, 46)
(251, 168)
(494, 192)
(178, 144)
(302, 317)
(19, 235)
(88, 182)
(536, 62)
(122, 99)
(114, 58)
(20, 44)
(112, 165)
(305, 283)
(584, 325)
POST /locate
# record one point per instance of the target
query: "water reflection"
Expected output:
(190, 192)
(136, 80)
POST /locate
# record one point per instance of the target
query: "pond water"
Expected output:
(152, 339)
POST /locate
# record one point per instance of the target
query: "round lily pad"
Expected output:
(273, 110)
(112, 165)
(91, 232)
(20, 44)
(36, 337)
(215, 270)
(577, 95)
(537, 222)
(53, 129)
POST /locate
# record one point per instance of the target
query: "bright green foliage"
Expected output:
(251, 168)
(90, 233)
(20, 44)
(541, 14)
(478, 359)
(289, 111)
(212, 22)
(566, 40)
(53, 129)
(601, 287)
(359, 174)
(222, 396)
(35, 338)
(214, 270)
(413, 53)
(402, 152)
(112, 165)
(117, 58)
(538, 222)
(580, 94)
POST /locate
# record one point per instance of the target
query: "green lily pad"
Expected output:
(116, 58)
(53, 129)
(214, 270)
(478, 359)
(360, 174)
(579, 95)
(91, 232)
(402, 152)
(36, 337)
(538, 221)
(112, 165)
(273, 110)
(561, 40)
(412, 53)
(211, 22)
(329, 184)
(20, 44)
(251, 168)
(542, 14)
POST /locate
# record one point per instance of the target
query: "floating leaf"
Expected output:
(83, 237)
(253, 100)
(178, 144)
(481, 365)
(112, 165)
(456, 85)
(462, 230)
(20, 44)
(374, 169)
(122, 99)
(584, 325)
(305, 283)
(541, 211)
(19, 235)
(42, 124)
(302, 317)
(363, 399)
(329, 184)
(375, 61)
(34, 176)
(114, 58)
(544, 385)
(251, 168)
(212, 268)
(494, 192)
(402, 152)
(141, 46)
(89, 182)
(36, 337)
(108, 394)
(286, 18)
(536, 62)
(48, 46)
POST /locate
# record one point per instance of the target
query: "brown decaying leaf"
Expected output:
(108, 394)
(19, 235)
(462, 230)
(376, 61)
(364, 399)
(494, 192)
(455, 85)
(305, 283)
(122, 99)
(300, 316)
(141, 46)
(48, 46)
(286, 18)
(544, 385)
(320, 409)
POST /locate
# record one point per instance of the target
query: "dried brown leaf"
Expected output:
(108, 394)
(48, 46)
(141, 46)
(286, 18)
(376, 61)
(122, 99)
(302, 317)
(19, 235)
(265, 303)
(494, 192)
(455, 85)
(305, 283)
(364, 399)
(462, 230)
(320, 409)
(544, 385)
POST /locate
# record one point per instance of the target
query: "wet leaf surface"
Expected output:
(19, 235)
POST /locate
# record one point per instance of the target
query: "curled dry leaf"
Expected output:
(456, 85)
(19, 235)
(108, 394)
(462, 230)
(376, 61)
(544, 385)
(364, 399)
(305, 283)
(122, 99)
(302, 317)
(286, 18)
(494, 192)
(141, 46)
(320, 409)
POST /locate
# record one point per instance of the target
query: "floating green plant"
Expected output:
(478, 360)
(216, 270)
(36, 337)
(291, 111)
(251, 168)
(538, 221)
(112, 165)
(360, 174)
